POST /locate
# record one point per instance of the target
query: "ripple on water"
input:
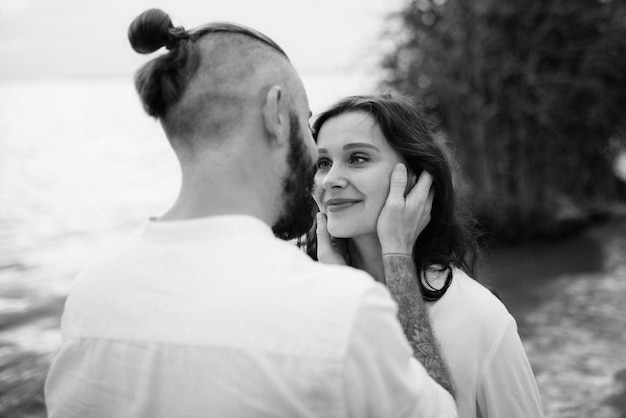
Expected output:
(8, 305)
(41, 336)
(578, 344)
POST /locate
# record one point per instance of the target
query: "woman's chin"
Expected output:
(338, 232)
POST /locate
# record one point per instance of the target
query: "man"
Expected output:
(205, 312)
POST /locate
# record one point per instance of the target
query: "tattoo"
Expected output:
(402, 281)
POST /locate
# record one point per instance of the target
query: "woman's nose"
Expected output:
(334, 178)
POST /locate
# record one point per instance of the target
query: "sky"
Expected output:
(340, 39)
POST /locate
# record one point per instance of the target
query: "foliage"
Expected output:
(532, 93)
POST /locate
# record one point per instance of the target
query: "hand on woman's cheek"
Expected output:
(329, 249)
(411, 180)
(402, 218)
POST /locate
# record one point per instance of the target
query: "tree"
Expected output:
(532, 93)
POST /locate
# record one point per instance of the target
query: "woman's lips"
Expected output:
(336, 205)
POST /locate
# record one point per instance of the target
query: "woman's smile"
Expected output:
(353, 171)
(339, 204)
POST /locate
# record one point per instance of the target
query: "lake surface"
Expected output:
(80, 164)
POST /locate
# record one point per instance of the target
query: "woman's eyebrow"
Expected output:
(360, 145)
(351, 146)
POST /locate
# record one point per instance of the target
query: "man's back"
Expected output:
(216, 317)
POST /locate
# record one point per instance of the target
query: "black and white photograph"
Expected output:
(354, 208)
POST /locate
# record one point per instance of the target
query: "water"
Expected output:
(80, 165)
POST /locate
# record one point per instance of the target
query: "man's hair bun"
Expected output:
(152, 30)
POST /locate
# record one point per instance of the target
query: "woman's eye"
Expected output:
(323, 164)
(358, 159)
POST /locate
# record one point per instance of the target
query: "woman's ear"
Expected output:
(275, 117)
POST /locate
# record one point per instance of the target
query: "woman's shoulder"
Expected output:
(469, 320)
(469, 298)
(478, 295)
(474, 287)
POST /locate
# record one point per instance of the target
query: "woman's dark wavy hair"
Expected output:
(162, 81)
(449, 240)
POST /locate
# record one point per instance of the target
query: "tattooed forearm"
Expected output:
(402, 282)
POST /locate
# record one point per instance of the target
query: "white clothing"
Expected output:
(487, 362)
(215, 317)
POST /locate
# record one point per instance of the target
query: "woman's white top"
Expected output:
(487, 361)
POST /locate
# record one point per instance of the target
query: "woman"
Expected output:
(363, 139)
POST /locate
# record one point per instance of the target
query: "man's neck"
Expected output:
(203, 197)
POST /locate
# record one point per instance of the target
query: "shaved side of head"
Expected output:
(234, 73)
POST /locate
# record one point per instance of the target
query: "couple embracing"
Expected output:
(211, 310)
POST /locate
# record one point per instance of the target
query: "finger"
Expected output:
(421, 190)
(328, 250)
(323, 237)
(397, 185)
(412, 179)
(429, 200)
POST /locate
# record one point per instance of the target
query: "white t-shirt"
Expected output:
(479, 340)
(215, 317)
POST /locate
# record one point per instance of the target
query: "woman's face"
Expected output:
(353, 172)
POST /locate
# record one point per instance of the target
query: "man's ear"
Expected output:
(275, 115)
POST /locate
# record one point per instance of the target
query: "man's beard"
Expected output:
(298, 211)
